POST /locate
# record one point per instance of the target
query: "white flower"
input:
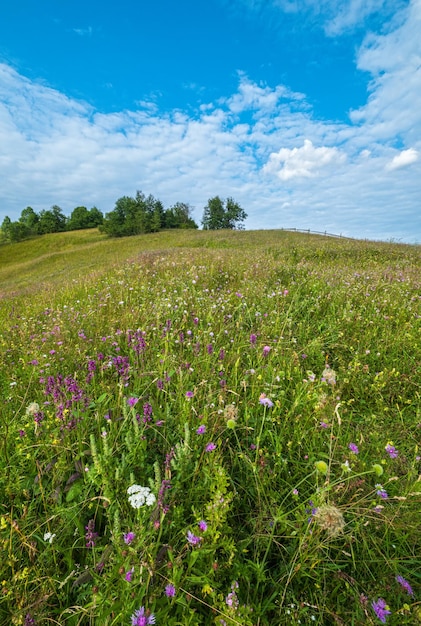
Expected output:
(32, 408)
(49, 537)
(138, 496)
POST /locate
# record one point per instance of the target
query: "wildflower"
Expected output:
(132, 401)
(189, 394)
(321, 467)
(329, 376)
(203, 526)
(345, 466)
(354, 448)
(90, 535)
(138, 496)
(49, 537)
(193, 539)
(263, 399)
(32, 408)
(129, 538)
(29, 620)
(405, 585)
(266, 350)
(129, 575)
(201, 430)
(381, 492)
(377, 469)
(140, 619)
(330, 519)
(170, 591)
(253, 338)
(381, 610)
(231, 424)
(391, 450)
(210, 447)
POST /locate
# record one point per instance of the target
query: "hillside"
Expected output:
(209, 428)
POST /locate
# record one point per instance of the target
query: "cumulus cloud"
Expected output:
(261, 145)
(404, 158)
(306, 161)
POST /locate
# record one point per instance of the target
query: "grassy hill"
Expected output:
(210, 428)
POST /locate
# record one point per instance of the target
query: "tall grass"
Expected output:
(210, 428)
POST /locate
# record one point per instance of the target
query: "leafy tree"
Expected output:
(219, 214)
(52, 221)
(179, 216)
(95, 217)
(30, 220)
(82, 218)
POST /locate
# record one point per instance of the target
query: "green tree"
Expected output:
(79, 218)
(219, 214)
(30, 220)
(52, 221)
(179, 216)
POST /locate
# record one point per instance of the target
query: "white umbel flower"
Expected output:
(138, 496)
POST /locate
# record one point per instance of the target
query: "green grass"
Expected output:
(123, 360)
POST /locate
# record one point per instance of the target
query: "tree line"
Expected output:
(131, 216)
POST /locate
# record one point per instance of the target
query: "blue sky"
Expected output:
(307, 112)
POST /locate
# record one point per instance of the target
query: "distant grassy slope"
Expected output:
(52, 260)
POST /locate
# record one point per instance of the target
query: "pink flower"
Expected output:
(210, 447)
(266, 350)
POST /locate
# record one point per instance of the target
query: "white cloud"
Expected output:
(302, 162)
(262, 145)
(333, 16)
(404, 158)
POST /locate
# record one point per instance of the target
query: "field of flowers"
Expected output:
(215, 428)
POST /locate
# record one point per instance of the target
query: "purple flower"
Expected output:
(203, 526)
(210, 447)
(391, 450)
(381, 492)
(354, 448)
(29, 620)
(201, 430)
(189, 394)
(132, 401)
(140, 619)
(253, 338)
(129, 538)
(266, 350)
(380, 609)
(193, 539)
(170, 591)
(405, 585)
(129, 575)
(265, 400)
(90, 535)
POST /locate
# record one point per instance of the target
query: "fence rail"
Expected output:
(315, 232)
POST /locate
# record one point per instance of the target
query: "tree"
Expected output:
(219, 214)
(82, 218)
(30, 220)
(179, 216)
(52, 221)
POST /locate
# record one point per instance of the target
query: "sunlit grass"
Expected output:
(263, 386)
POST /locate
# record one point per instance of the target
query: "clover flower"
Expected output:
(138, 496)
(129, 538)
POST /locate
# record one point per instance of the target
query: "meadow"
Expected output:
(210, 428)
